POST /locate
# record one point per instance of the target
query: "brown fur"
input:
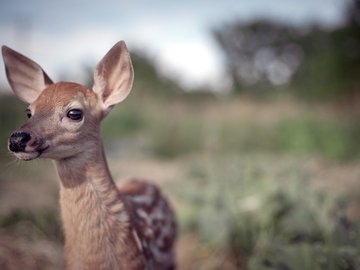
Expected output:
(131, 227)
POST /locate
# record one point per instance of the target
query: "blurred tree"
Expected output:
(260, 53)
(149, 80)
(319, 63)
(332, 64)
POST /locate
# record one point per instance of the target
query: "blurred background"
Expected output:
(247, 114)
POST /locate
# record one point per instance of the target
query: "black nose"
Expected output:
(18, 140)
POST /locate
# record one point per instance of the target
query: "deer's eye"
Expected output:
(75, 114)
(28, 113)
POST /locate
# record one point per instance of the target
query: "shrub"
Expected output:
(268, 217)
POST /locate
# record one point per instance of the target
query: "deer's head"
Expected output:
(64, 117)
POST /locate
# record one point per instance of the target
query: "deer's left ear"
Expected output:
(26, 78)
(114, 76)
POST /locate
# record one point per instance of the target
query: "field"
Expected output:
(256, 184)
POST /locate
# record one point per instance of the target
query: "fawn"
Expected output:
(129, 226)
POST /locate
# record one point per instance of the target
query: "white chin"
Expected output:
(27, 155)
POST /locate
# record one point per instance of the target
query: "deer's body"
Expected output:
(130, 226)
(132, 221)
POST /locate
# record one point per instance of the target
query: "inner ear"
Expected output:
(113, 76)
(26, 78)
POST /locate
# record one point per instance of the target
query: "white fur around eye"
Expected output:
(72, 125)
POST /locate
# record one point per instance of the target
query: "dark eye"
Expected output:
(75, 114)
(28, 113)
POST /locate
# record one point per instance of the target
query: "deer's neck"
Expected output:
(95, 220)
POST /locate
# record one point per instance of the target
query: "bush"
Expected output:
(43, 224)
(267, 217)
(176, 137)
(333, 140)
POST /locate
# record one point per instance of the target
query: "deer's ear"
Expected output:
(114, 76)
(26, 78)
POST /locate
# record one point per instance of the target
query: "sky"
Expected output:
(63, 36)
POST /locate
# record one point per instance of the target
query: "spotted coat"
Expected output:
(153, 223)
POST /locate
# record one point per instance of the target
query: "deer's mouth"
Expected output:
(31, 154)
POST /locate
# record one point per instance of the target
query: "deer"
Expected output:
(107, 225)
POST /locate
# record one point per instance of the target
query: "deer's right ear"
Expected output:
(26, 78)
(113, 76)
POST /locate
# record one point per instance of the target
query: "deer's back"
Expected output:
(153, 222)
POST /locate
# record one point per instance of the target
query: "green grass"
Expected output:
(267, 217)
(334, 140)
(175, 128)
(125, 122)
(43, 224)
(177, 137)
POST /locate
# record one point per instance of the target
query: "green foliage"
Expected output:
(125, 122)
(170, 130)
(149, 80)
(246, 136)
(45, 224)
(306, 256)
(319, 63)
(334, 140)
(174, 138)
(11, 115)
(259, 53)
(267, 216)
